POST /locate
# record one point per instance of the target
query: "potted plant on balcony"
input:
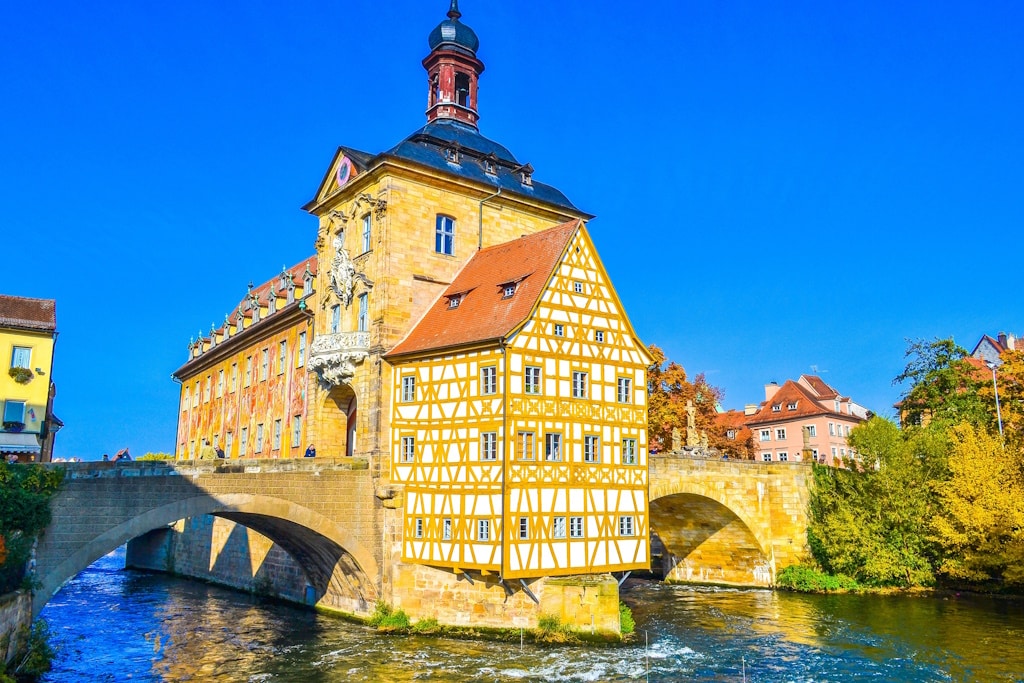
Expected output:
(11, 426)
(21, 375)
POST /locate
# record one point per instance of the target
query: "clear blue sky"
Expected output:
(779, 186)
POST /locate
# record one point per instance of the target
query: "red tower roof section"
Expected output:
(475, 307)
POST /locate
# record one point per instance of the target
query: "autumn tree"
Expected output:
(1010, 379)
(980, 520)
(668, 390)
(943, 385)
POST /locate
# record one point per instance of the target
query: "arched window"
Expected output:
(462, 90)
(435, 89)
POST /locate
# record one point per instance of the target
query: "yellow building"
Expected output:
(245, 388)
(28, 331)
(520, 420)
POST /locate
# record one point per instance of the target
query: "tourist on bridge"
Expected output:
(206, 451)
(310, 451)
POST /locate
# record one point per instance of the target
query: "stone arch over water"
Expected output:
(331, 557)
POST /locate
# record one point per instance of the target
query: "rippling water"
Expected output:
(115, 625)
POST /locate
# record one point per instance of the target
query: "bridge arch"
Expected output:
(708, 537)
(318, 544)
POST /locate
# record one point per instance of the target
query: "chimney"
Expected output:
(1011, 342)
(1002, 340)
(750, 409)
(770, 389)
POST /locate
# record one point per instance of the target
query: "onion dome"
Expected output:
(454, 31)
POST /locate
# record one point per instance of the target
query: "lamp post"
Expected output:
(993, 366)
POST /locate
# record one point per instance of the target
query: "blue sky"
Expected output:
(779, 186)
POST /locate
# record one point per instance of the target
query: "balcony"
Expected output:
(333, 357)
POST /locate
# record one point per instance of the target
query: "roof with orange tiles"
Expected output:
(805, 403)
(819, 387)
(28, 314)
(483, 312)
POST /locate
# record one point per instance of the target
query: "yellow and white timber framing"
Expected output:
(530, 511)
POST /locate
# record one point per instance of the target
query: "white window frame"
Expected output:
(579, 384)
(489, 446)
(626, 527)
(783, 456)
(282, 356)
(418, 532)
(629, 451)
(363, 323)
(14, 411)
(831, 428)
(780, 434)
(559, 330)
(576, 527)
(367, 232)
(625, 390)
(408, 388)
(264, 364)
(243, 444)
(276, 444)
(21, 357)
(296, 431)
(301, 356)
(532, 377)
(483, 530)
(335, 318)
(489, 380)
(766, 435)
(259, 438)
(444, 235)
(523, 530)
(766, 456)
(553, 447)
(599, 336)
(591, 448)
(446, 529)
(577, 287)
(408, 452)
(524, 438)
(558, 527)
(812, 431)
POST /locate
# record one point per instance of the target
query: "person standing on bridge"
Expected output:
(310, 451)
(206, 451)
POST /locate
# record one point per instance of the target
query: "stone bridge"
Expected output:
(717, 521)
(323, 513)
(727, 521)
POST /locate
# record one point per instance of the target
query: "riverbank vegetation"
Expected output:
(25, 492)
(939, 502)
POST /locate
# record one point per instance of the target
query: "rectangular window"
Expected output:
(577, 287)
(264, 364)
(579, 384)
(296, 431)
(234, 377)
(301, 356)
(558, 527)
(532, 380)
(14, 411)
(625, 390)
(446, 530)
(524, 528)
(599, 336)
(367, 232)
(812, 430)
(842, 452)
(419, 527)
(590, 449)
(243, 445)
(444, 235)
(814, 454)
(277, 435)
(282, 357)
(489, 446)
(831, 429)
(524, 446)
(833, 452)
(408, 448)
(629, 451)
(206, 388)
(783, 456)
(220, 383)
(229, 440)
(626, 525)
(767, 457)
(575, 527)
(21, 357)
(780, 434)
(791, 406)
(552, 447)
(195, 395)
(489, 380)
(248, 371)
(846, 429)
(483, 530)
(730, 434)
(766, 435)
(335, 318)
(364, 312)
(259, 438)
(408, 388)
(559, 330)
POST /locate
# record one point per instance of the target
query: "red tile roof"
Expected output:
(818, 385)
(807, 402)
(484, 313)
(28, 314)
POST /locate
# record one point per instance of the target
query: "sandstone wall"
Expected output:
(15, 620)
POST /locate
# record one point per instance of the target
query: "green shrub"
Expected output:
(35, 660)
(156, 456)
(626, 623)
(386, 618)
(811, 580)
(426, 626)
(25, 492)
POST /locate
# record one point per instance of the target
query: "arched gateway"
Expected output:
(329, 529)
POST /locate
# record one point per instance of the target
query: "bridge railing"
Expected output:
(172, 468)
(682, 455)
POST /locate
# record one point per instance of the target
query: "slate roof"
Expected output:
(28, 314)
(484, 313)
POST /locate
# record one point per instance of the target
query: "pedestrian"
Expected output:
(106, 458)
(122, 455)
(310, 451)
(218, 450)
(206, 451)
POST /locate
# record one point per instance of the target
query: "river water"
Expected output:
(110, 624)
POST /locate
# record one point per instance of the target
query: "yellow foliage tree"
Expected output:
(1010, 380)
(979, 523)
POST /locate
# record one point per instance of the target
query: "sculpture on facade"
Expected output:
(343, 272)
(333, 357)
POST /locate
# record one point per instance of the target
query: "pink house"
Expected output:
(805, 415)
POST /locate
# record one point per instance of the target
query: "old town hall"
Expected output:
(457, 330)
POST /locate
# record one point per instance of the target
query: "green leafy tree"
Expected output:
(943, 386)
(25, 492)
(980, 518)
(872, 524)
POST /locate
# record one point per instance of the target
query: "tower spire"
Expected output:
(453, 12)
(453, 70)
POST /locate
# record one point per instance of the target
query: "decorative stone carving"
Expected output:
(333, 357)
(692, 437)
(343, 273)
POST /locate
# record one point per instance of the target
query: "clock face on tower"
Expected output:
(346, 171)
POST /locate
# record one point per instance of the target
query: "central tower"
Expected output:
(453, 71)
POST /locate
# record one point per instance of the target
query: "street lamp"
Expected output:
(993, 366)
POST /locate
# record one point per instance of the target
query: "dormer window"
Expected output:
(271, 302)
(776, 407)
(491, 164)
(307, 282)
(454, 300)
(525, 174)
(452, 155)
(791, 405)
(508, 290)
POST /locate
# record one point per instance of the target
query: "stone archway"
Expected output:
(705, 541)
(332, 559)
(336, 423)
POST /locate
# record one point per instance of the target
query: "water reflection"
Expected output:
(112, 625)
